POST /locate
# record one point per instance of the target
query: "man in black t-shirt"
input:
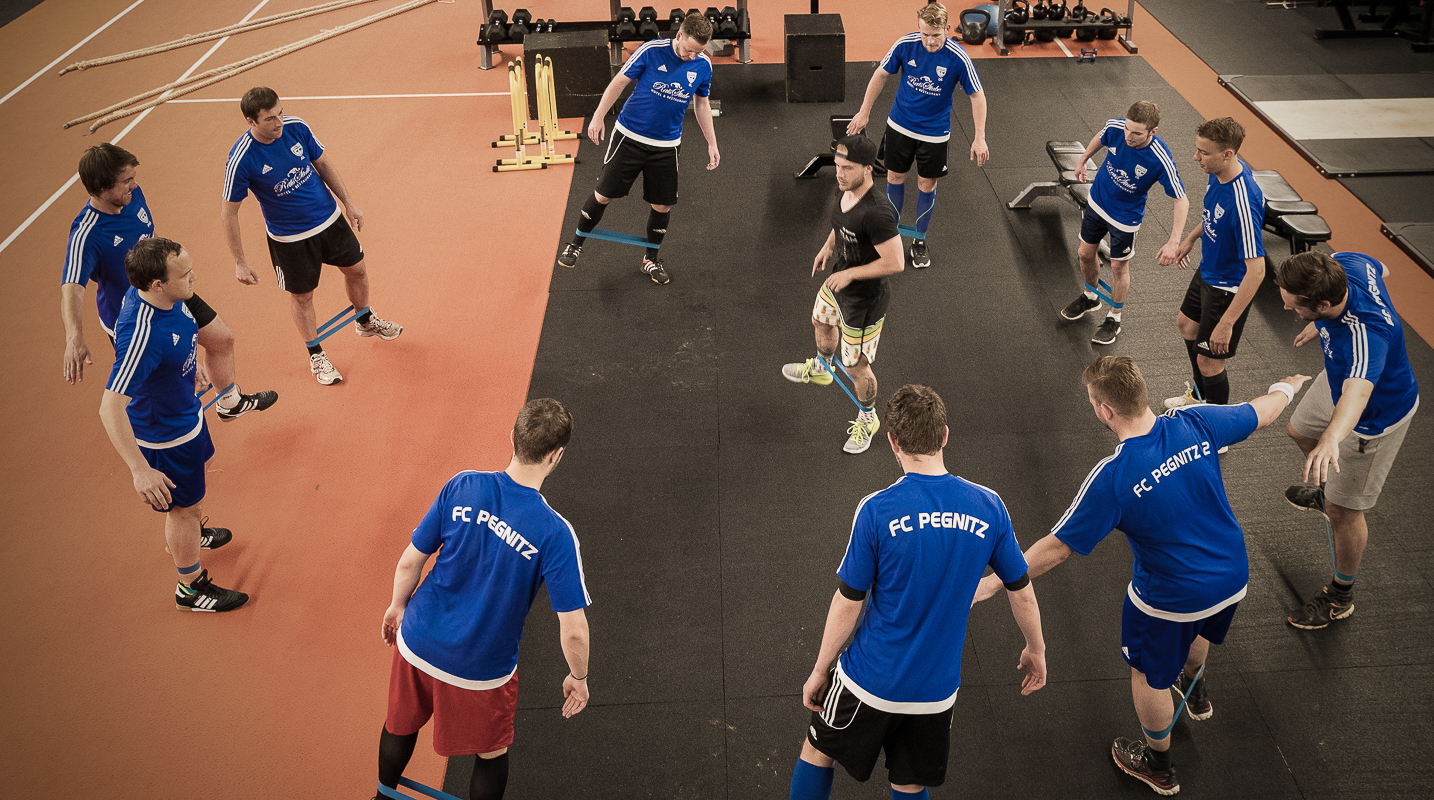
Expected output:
(864, 247)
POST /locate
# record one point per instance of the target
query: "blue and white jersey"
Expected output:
(281, 174)
(1234, 213)
(919, 547)
(922, 109)
(663, 85)
(1123, 183)
(499, 542)
(98, 244)
(1367, 341)
(155, 354)
(1164, 490)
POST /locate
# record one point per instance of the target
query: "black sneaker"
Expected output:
(1131, 756)
(653, 268)
(257, 401)
(203, 595)
(1307, 498)
(1322, 609)
(569, 257)
(920, 257)
(1196, 701)
(1107, 331)
(1080, 306)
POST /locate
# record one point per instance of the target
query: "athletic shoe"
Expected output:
(211, 538)
(1187, 399)
(203, 595)
(653, 268)
(807, 372)
(1107, 331)
(920, 257)
(1307, 498)
(323, 370)
(859, 435)
(1196, 701)
(257, 401)
(1132, 757)
(569, 256)
(1080, 306)
(1322, 609)
(382, 328)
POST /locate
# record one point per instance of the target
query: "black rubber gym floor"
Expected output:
(714, 503)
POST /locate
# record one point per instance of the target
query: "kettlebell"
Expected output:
(1038, 11)
(973, 30)
(1083, 15)
(1107, 17)
(1057, 11)
(1019, 14)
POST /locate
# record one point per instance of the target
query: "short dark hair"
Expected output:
(1144, 112)
(1312, 278)
(260, 98)
(101, 165)
(542, 427)
(149, 262)
(916, 417)
(1224, 132)
(698, 27)
(1117, 382)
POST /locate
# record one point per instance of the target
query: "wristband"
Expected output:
(1284, 388)
(576, 678)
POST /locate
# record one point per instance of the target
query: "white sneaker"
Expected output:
(323, 370)
(1187, 399)
(382, 328)
(860, 433)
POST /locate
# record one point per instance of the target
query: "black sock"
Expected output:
(656, 229)
(1217, 388)
(394, 751)
(490, 778)
(1195, 369)
(315, 349)
(1340, 590)
(1159, 759)
(363, 318)
(592, 214)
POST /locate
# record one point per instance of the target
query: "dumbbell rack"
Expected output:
(1002, 26)
(487, 51)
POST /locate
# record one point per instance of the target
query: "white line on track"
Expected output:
(62, 57)
(75, 177)
(352, 97)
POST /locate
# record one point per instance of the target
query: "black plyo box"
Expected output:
(815, 46)
(580, 70)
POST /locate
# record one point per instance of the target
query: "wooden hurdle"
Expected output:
(547, 133)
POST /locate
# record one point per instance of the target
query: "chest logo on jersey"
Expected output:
(1120, 178)
(176, 339)
(1219, 211)
(118, 239)
(940, 73)
(691, 76)
(1140, 171)
(674, 91)
(266, 170)
(295, 180)
(185, 309)
(911, 63)
(297, 149)
(924, 85)
(661, 67)
(144, 217)
(501, 529)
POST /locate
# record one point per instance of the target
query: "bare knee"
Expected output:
(216, 337)
(927, 185)
(1209, 367)
(354, 272)
(896, 178)
(661, 209)
(910, 788)
(601, 199)
(1120, 269)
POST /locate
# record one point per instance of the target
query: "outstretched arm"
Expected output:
(1270, 406)
(1171, 251)
(1040, 558)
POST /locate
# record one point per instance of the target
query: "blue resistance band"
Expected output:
(416, 786)
(216, 397)
(907, 230)
(1178, 709)
(332, 326)
(1103, 292)
(620, 238)
(833, 365)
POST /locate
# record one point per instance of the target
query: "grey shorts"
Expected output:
(1363, 463)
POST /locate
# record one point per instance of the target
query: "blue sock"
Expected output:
(811, 782)
(896, 195)
(924, 202)
(924, 794)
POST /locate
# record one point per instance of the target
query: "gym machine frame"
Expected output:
(1126, 39)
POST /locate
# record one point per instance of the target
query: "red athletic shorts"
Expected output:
(465, 721)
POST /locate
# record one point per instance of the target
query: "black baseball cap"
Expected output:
(859, 149)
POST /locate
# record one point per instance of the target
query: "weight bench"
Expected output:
(1066, 157)
(1288, 215)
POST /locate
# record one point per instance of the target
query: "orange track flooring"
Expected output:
(109, 691)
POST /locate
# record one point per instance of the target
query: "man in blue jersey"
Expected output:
(281, 161)
(916, 554)
(1232, 262)
(1163, 489)
(456, 662)
(918, 127)
(1354, 419)
(1135, 161)
(666, 76)
(154, 419)
(114, 219)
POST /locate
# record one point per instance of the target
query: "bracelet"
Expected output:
(576, 678)
(1284, 388)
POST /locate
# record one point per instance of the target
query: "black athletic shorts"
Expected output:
(901, 150)
(627, 158)
(917, 745)
(1206, 304)
(200, 310)
(297, 264)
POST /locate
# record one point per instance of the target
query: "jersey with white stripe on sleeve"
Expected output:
(1123, 183)
(922, 109)
(1234, 214)
(919, 547)
(1367, 341)
(281, 174)
(98, 244)
(1165, 491)
(662, 87)
(155, 355)
(497, 542)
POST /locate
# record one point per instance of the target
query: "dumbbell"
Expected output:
(647, 23)
(497, 28)
(626, 29)
(520, 28)
(727, 28)
(675, 18)
(713, 16)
